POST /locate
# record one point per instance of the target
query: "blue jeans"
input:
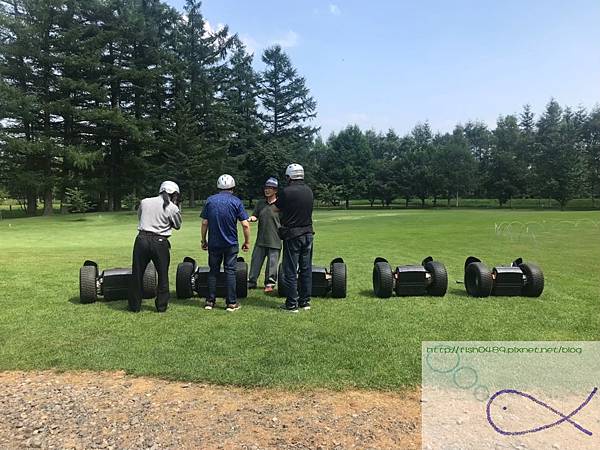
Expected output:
(228, 256)
(297, 257)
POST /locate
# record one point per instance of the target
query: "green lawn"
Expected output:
(360, 341)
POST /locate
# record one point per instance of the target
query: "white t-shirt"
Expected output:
(156, 219)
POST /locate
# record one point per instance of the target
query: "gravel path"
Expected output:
(87, 410)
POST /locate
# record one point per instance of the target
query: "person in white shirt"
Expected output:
(158, 216)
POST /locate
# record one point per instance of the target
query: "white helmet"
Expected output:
(295, 172)
(169, 187)
(225, 182)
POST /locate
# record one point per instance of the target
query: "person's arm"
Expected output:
(255, 213)
(278, 205)
(242, 216)
(176, 219)
(246, 230)
(254, 216)
(203, 231)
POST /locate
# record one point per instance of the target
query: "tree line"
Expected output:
(100, 100)
(103, 99)
(555, 156)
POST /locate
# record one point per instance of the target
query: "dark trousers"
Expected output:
(145, 249)
(227, 256)
(258, 256)
(297, 257)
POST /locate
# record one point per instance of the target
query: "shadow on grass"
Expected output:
(262, 301)
(118, 305)
(113, 304)
(75, 301)
(457, 291)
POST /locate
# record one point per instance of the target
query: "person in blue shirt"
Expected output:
(220, 215)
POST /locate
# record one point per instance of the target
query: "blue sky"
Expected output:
(390, 64)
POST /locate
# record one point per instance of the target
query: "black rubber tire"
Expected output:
(87, 284)
(534, 286)
(383, 279)
(338, 280)
(478, 280)
(183, 283)
(150, 281)
(439, 278)
(241, 279)
(281, 289)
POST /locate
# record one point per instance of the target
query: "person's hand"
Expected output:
(204, 245)
(245, 246)
(252, 219)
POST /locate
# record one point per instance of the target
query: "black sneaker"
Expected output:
(251, 285)
(233, 307)
(209, 304)
(292, 309)
(304, 306)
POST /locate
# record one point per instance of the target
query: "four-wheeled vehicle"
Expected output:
(112, 284)
(193, 278)
(324, 280)
(518, 278)
(428, 278)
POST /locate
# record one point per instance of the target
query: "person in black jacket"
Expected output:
(157, 218)
(296, 205)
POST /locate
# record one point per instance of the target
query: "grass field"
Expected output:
(357, 342)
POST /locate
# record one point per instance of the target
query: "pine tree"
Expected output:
(592, 152)
(182, 149)
(30, 72)
(527, 149)
(200, 80)
(420, 159)
(479, 139)
(454, 164)
(348, 162)
(507, 170)
(78, 88)
(558, 163)
(287, 109)
(18, 106)
(285, 97)
(239, 95)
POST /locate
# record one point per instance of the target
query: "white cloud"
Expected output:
(290, 39)
(209, 29)
(255, 46)
(334, 9)
(251, 44)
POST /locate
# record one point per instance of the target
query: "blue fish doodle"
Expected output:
(563, 417)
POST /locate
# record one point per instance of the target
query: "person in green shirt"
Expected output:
(268, 243)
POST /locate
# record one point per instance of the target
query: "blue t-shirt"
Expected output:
(222, 211)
